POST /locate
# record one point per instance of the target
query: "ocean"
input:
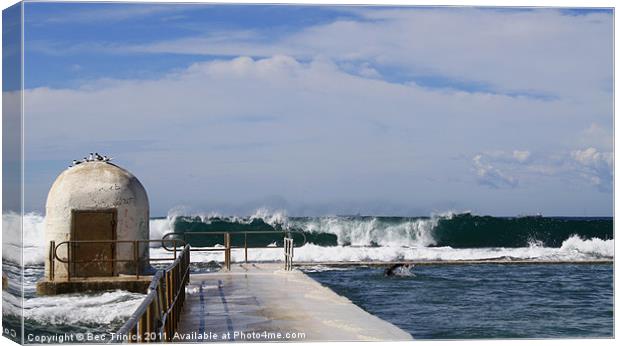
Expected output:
(484, 301)
(433, 302)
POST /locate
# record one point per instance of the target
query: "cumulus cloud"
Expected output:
(521, 155)
(369, 107)
(513, 157)
(306, 131)
(598, 136)
(595, 166)
(340, 129)
(524, 53)
(491, 176)
(499, 168)
(422, 42)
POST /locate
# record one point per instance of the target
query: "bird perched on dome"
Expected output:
(74, 163)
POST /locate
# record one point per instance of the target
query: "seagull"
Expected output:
(98, 157)
(91, 158)
(75, 163)
(106, 159)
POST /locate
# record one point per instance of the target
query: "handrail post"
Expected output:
(169, 298)
(52, 259)
(149, 322)
(227, 250)
(158, 317)
(70, 265)
(135, 258)
(288, 253)
(245, 246)
(142, 328)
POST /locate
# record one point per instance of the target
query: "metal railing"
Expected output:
(288, 253)
(228, 247)
(157, 317)
(136, 259)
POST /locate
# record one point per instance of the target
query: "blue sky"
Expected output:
(327, 110)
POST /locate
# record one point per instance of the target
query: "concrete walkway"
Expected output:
(267, 303)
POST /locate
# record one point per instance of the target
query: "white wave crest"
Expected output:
(159, 227)
(372, 231)
(34, 246)
(75, 309)
(32, 242)
(588, 247)
(273, 219)
(314, 253)
(412, 239)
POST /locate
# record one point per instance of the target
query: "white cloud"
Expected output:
(504, 169)
(522, 52)
(527, 53)
(521, 155)
(491, 176)
(279, 85)
(307, 131)
(513, 157)
(597, 136)
(344, 110)
(596, 166)
(592, 157)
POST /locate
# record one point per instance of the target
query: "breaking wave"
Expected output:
(95, 309)
(573, 249)
(442, 236)
(332, 238)
(31, 240)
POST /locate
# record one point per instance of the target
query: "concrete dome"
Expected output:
(86, 199)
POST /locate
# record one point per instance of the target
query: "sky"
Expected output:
(319, 110)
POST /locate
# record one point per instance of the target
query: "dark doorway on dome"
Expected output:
(93, 225)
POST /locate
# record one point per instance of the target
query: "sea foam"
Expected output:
(358, 239)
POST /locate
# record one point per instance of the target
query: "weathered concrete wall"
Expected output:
(97, 186)
(130, 284)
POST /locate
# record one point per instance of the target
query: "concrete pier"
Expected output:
(124, 282)
(266, 303)
(451, 262)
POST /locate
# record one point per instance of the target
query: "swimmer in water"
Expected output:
(398, 269)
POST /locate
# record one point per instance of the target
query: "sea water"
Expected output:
(484, 301)
(456, 301)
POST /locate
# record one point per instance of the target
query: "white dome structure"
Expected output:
(97, 202)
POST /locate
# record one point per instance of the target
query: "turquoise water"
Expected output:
(485, 301)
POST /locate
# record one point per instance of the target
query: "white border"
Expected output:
(517, 3)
